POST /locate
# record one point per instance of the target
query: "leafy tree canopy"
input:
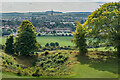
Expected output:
(80, 38)
(105, 24)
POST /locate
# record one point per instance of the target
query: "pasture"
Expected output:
(62, 40)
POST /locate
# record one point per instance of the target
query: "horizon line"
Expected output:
(42, 11)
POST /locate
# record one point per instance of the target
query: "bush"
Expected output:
(47, 44)
(20, 71)
(53, 63)
(52, 44)
(38, 72)
(39, 34)
(46, 53)
(56, 44)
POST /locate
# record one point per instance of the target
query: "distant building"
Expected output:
(73, 23)
(52, 23)
(45, 29)
(63, 29)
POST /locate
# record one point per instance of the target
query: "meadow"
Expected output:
(62, 40)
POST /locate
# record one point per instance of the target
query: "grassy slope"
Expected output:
(84, 69)
(89, 69)
(98, 67)
(12, 75)
(81, 70)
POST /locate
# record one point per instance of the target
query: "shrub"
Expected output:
(20, 71)
(39, 34)
(46, 53)
(53, 63)
(56, 44)
(47, 44)
(52, 44)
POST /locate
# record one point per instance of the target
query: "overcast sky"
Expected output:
(59, 0)
(56, 5)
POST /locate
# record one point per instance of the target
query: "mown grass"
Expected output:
(96, 68)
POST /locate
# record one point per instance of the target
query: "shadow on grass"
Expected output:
(100, 62)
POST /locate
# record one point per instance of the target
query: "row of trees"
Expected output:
(25, 41)
(8, 31)
(52, 44)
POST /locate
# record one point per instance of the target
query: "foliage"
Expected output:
(52, 44)
(9, 45)
(26, 39)
(9, 64)
(53, 64)
(6, 31)
(79, 38)
(56, 43)
(47, 44)
(105, 23)
(47, 64)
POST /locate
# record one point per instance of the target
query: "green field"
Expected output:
(63, 40)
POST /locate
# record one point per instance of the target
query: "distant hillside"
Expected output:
(79, 12)
(55, 12)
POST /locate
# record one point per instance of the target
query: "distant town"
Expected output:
(51, 23)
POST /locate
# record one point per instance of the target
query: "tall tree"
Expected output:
(26, 42)
(79, 38)
(9, 45)
(105, 23)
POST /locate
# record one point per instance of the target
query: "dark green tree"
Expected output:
(56, 44)
(9, 45)
(52, 44)
(14, 30)
(26, 42)
(47, 44)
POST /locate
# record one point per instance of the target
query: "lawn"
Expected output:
(95, 69)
